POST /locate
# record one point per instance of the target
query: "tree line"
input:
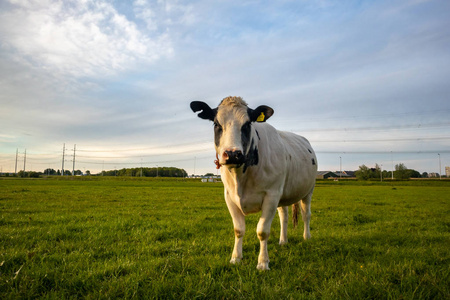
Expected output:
(131, 172)
(147, 172)
(401, 173)
(34, 174)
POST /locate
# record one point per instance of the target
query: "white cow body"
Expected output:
(284, 174)
(280, 172)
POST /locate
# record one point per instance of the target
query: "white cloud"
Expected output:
(78, 38)
(164, 15)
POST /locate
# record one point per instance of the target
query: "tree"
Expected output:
(401, 172)
(363, 173)
(377, 171)
(147, 172)
(414, 174)
(33, 174)
(49, 171)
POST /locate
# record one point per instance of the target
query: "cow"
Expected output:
(262, 169)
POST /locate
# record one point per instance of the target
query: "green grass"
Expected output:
(131, 238)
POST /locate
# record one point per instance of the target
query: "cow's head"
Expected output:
(233, 130)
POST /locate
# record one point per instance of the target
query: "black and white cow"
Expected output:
(263, 169)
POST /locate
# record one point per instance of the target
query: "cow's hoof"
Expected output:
(235, 260)
(263, 266)
(283, 242)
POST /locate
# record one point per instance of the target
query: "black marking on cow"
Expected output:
(313, 162)
(246, 131)
(252, 157)
(257, 134)
(310, 151)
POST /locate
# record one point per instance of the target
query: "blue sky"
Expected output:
(359, 79)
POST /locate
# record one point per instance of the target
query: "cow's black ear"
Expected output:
(261, 113)
(207, 112)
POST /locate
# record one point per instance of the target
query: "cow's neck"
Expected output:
(235, 179)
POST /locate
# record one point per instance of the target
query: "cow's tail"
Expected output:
(295, 213)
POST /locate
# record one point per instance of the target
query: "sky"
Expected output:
(367, 82)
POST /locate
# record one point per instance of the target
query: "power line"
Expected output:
(384, 152)
(383, 140)
(73, 167)
(433, 112)
(371, 128)
(137, 163)
(147, 148)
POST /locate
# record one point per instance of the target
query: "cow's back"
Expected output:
(301, 168)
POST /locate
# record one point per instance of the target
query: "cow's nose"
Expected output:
(233, 157)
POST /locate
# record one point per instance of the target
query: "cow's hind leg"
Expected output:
(283, 212)
(305, 205)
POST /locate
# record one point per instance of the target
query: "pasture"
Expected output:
(171, 238)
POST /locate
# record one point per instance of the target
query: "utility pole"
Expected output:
(17, 154)
(440, 166)
(392, 159)
(73, 167)
(62, 168)
(195, 162)
(24, 161)
(381, 172)
(340, 167)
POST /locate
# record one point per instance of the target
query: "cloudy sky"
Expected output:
(365, 81)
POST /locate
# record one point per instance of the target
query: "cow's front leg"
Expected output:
(283, 212)
(268, 211)
(239, 229)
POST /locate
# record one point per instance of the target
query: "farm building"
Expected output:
(211, 179)
(346, 174)
(337, 174)
(326, 174)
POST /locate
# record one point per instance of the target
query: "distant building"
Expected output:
(211, 178)
(336, 174)
(347, 173)
(326, 174)
(433, 175)
(447, 171)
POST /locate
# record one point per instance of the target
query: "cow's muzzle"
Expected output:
(233, 157)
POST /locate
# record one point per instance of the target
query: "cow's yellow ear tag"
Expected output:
(260, 118)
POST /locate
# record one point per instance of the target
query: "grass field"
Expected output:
(131, 238)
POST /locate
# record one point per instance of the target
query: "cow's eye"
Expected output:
(217, 126)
